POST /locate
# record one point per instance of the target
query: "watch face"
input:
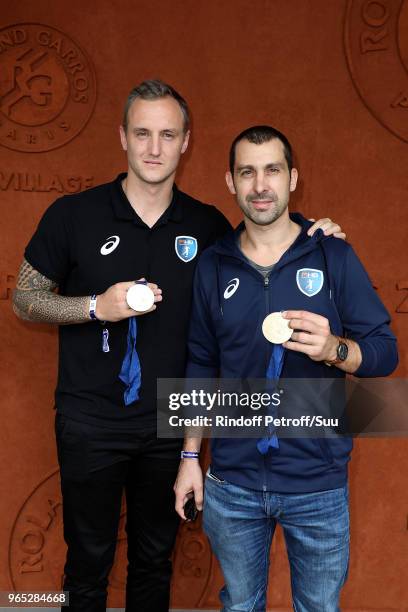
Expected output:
(342, 351)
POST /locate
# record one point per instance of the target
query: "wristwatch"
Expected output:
(341, 353)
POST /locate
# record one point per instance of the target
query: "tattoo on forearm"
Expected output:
(30, 279)
(34, 300)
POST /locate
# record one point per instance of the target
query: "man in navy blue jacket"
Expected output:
(270, 264)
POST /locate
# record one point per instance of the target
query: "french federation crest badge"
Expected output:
(186, 247)
(309, 281)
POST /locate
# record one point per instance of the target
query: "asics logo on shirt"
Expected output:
(110, 245)
(232, 286)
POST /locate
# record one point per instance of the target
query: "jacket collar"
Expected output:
(303, 244)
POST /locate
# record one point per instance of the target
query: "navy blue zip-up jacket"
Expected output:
(226, 340)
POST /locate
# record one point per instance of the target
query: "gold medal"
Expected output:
(140, 297)
(276, 329)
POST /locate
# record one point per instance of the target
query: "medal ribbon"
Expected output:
(130, 372)
(272, 374)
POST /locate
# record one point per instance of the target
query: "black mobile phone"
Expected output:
(190, 510)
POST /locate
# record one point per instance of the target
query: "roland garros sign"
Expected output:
(47, 88)
(376, 41)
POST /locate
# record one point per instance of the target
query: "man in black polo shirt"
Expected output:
(93, 246)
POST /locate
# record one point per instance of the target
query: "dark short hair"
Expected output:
(258, 134)
(154, 89)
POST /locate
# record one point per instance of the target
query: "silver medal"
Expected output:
(140, 297)
(276, 329)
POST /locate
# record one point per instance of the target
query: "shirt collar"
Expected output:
(124, 210)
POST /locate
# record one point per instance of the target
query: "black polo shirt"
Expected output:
(89, 241)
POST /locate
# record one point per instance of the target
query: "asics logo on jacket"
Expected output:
(232, 286)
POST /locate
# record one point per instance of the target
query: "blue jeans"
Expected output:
(240, 524)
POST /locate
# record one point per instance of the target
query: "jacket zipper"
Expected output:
(268, 356)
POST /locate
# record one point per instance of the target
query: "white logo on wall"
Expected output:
(232, 286)
(110, 245)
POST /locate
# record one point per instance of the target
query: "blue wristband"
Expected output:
(189, 454)
(92, 308)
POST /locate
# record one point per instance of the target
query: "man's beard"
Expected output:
(264, 217)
